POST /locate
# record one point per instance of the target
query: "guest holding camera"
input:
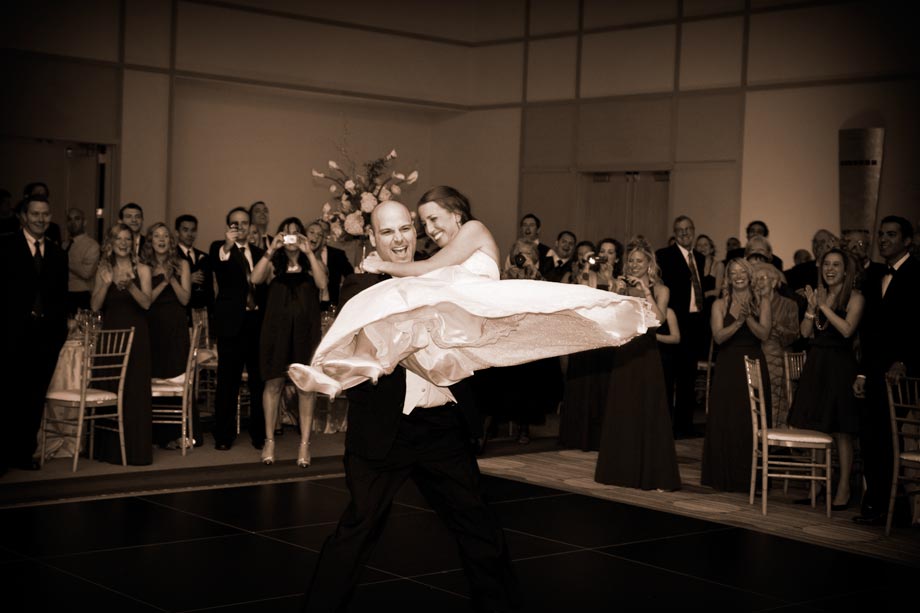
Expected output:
(291, 330)
(122, 291)
(587, 377)
(637, 445)
(524, 393)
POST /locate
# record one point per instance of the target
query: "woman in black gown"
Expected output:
(587, 376)
(637, 444)
(123, 293)
(740, 322)
(171, 280)
(291, 327)
(824, 400)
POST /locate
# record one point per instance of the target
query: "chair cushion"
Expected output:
(161, 387)
(794, 435)
(93, 396)
(911, 456)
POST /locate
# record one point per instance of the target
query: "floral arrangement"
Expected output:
(357, 194)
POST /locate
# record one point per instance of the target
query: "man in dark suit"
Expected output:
(199, 263)
(890, 337)
(34, 320)
(806, 273)
(238, 309)
(337, 265)
(680, 266)
(132, 215)
(404, 426)
(558, 260)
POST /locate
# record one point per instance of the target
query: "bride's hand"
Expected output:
(371, 264)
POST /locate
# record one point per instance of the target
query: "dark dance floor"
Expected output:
(252, 548)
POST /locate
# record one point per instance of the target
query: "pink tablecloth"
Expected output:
(60, 439)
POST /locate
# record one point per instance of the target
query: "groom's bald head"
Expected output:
(393, 232)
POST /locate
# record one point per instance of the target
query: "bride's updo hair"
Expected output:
(449, 199)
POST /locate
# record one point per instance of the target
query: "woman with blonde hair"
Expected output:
(123, 293)
(637, 444)
(740, 322)
(783, 332)
(171, 283)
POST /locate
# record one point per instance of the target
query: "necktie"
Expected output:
(250, 294)
(37, 263)
(191, 256)
(695, 280)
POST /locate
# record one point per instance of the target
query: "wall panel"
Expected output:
(708, 193)
(709, 127)
(478, 153)
(549, 135)
(845, 40)
(621, 134)
(710, 53)
(144, 155)
(553, 197)
(790, 177)
(548, 16)
(87, 29)
(497, 74)
(234, 145)
(148, 24)
(551, 69)
(228, 42)
(628, 62)
(59, 99)
(602, 13)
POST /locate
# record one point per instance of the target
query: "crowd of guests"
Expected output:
(851, 315)
(154, 279)
(263, 294)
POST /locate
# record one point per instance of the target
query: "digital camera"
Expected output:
(290, 239)
(519, 260)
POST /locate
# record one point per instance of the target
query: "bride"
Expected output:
(450, 315)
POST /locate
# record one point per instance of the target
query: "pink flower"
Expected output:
(327, 208)
(368, 202)
(412, 178)
(392, 154)
(395, 189)
(350, 186)
(317, 174)
(333, 165)
(385, 194)
(354, 223)
(333, 187)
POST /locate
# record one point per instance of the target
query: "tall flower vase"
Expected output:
(356, 249)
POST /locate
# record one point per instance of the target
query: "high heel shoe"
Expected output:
(303, 455)
(268, 451)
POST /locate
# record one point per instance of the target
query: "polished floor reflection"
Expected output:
(252, 548)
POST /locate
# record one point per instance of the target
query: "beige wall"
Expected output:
(235, 144)
(264, 90)
(790, 174)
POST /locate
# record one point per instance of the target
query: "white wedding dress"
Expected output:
(453, 321)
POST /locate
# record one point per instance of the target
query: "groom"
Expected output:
(406, 427)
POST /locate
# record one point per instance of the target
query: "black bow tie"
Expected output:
(892, 270)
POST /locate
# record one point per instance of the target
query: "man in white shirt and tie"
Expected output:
(680, 271)
(404, 427)
(199, 263)
(238, 310)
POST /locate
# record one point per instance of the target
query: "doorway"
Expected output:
(622, 204)
(74, 172)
